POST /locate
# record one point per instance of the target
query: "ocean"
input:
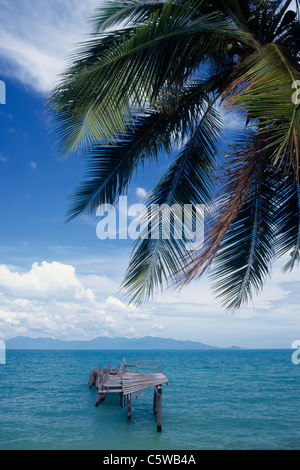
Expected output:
(216, 400)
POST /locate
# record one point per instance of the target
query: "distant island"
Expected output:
(147, 342)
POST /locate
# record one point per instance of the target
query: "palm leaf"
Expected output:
(134, 91)
(263, 90)
(234, 193)
(97, 101)
(288, 221)
(110, 167)
(127, 13)
(157, 260)
(245, 254)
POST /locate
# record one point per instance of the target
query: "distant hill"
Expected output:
(147, 342)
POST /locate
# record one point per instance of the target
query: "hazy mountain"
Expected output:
(148, 342)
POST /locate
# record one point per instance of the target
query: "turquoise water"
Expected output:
(216, 399)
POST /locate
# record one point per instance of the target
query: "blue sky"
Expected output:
(58, 280)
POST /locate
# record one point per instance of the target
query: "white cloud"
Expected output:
(131, 311)
(137, 315)
(158, 327)
(101, 284)
(36, 38)
(51, 299)
(141, 193)
(116, 302)
(44, 281)
(113, 301)
(32, 165)
(54, 299)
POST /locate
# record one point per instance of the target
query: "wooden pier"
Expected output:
(127, 381)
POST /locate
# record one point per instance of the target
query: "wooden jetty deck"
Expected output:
(127, 382)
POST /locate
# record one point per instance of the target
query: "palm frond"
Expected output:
(234, 194)
(244, 258)
(288, 221)
(145, 83)
(110, 167)
(128, 13)
(156, 259)
(98, 101)
(263, 90)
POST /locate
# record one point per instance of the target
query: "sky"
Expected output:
(58, 279)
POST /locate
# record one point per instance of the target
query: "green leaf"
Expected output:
(288, 221)
(263, 89)
(98, 97)
(126, 13)
(189, 181)
(244, 258)
(110, 167)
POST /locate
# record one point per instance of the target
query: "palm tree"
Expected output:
(155, 77)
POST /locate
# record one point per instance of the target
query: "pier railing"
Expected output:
(141, 364)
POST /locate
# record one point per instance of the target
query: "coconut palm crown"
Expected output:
(158, 77)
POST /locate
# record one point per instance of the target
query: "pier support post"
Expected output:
(129, 407)
(154, 401)
(92, 378)
(159, 408)
(100, 399)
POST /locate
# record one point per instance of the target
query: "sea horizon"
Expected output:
(136, 343)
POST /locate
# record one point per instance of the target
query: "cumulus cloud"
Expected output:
(44, 281)
(54, 299)
(115, 302)
(277, 304)
(130, 311)
(141, 193)
(37, 37)
(51, 299)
